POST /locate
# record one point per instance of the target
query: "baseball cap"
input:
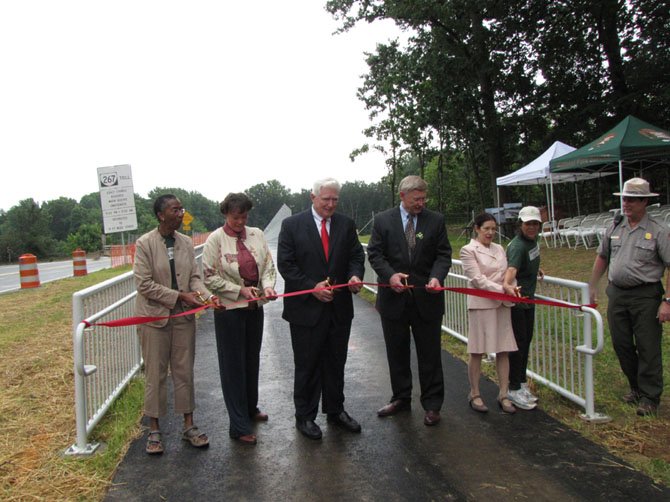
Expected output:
(530, 213)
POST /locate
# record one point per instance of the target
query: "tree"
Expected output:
(205, 212)
(26, 230)
(267, 197)
(86, 238)
(60, 211)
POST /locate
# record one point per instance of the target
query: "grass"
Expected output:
(37, 400)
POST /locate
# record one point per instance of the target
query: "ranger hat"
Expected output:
(636, 187)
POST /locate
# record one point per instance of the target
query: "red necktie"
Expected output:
(324, 237)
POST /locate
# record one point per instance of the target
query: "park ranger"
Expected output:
(636, 253)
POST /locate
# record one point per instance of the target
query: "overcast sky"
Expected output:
(212, 96)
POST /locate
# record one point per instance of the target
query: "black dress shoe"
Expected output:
(345, 421)
(432, 417)
(259, 416)
(249, 439)
(308, 428)
(633, 397)
(393, 407)
(647, 408)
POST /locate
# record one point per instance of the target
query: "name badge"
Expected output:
(534, 253)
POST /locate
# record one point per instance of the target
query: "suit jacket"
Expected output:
(222, 270)
(388, 254)
(485, 269)
(153, 277)
(302, 263)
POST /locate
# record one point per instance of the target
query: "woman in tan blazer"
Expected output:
(489, 321)
(168, 283)
(238, 267)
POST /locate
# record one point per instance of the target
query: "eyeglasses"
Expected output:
(328, 200)
(178, 210)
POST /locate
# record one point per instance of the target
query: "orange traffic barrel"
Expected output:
(30, 275)
(79, 262)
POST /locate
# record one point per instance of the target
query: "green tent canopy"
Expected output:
(631, 140)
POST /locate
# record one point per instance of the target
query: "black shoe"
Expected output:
(393, 407)
(308, 428)
(633, 397)
(647, 408)
(345, 421)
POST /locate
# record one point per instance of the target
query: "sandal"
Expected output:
(481, 408)
(506, 405)
(154, 443)
(195, 437)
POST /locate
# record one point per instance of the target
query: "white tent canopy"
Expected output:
(538, 173)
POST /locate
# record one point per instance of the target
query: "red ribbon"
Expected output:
(491, 295)
(131, 321)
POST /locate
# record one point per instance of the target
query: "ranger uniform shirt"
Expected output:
(637, 255)
(524, 255)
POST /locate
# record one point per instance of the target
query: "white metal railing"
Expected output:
(561, 355)
(105, 359)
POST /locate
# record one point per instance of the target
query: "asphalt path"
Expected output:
(48, 271)
(468, 456)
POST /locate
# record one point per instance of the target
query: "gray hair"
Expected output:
(326, 183)
(409, 183)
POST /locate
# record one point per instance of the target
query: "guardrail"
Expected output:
(561, 355)
(105, 359)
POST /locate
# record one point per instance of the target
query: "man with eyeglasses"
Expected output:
(410, 251)
(319, 248)
(636, 253)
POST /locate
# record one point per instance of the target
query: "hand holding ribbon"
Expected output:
(398, 282)
(323, 291)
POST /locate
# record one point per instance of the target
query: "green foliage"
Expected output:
(267, 197)
(60, 211)
(26, 230)
(481, 88)
(87, 237)
(204, 211)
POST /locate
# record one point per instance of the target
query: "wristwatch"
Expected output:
(666, 300)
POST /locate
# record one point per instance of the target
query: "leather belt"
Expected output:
(644, 284)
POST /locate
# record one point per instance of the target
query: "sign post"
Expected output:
(117, 199)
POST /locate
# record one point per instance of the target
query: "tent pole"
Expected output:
(620, 186)
(579, 211)
(498, 206)
(554, 225)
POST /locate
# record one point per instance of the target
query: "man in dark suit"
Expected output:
(409, 245)
(319, 248)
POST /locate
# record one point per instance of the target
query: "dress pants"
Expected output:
(239, 336)
(523, 323)
(428, 342)
(637, 336)
(319, 355)
(171, 346)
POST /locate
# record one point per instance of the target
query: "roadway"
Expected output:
(49, 271)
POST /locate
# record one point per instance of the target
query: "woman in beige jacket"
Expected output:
(238, 267)
(168, 283)
(489, 321)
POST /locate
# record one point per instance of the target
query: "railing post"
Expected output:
(590, 414)
(81, 447)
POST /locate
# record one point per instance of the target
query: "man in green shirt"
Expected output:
(523, 260)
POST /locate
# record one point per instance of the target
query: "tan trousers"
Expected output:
(173, 346)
